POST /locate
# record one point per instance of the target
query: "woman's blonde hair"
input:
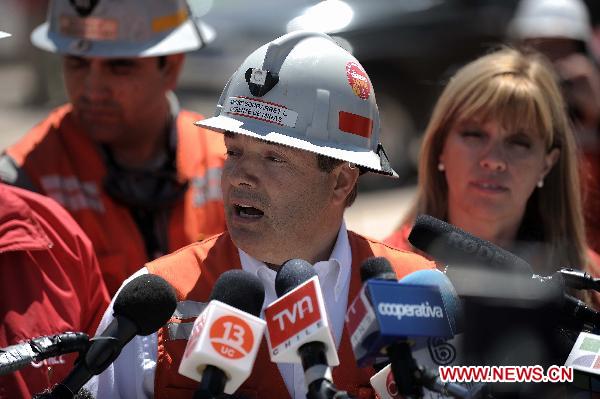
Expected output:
(518, 90)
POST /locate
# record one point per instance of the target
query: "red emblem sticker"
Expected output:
(358, 80)
(231, 337)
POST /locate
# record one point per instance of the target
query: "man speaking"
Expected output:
(300, 123)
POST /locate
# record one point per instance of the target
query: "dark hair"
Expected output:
(327, 165)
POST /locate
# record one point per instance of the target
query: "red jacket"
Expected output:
(50, 283)
(193, 270)
(64, 164)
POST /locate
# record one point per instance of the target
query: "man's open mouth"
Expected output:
(246, 211)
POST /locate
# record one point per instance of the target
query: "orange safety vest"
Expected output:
(63, 163)
(193, 270)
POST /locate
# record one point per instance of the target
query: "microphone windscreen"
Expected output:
(450, 298)
(291, 274)
(240, 289)
(148, 301)
(377, 267)
(449, 244)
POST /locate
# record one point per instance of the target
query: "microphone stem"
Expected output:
(212, 384)
(405, 370)
(317, 373)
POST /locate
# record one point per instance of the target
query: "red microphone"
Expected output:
(298, 330)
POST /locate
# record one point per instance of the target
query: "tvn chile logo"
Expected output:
(358, 80)
(231, 337)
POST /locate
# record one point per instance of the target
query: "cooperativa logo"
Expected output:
(400, 310)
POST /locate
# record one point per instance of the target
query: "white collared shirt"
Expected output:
(132, 374)
(334, 278)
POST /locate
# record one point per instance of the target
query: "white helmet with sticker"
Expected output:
(551, 18)
(303, 90)
(124, 28)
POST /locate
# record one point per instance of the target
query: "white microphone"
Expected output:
(384, 384)
(226, 336)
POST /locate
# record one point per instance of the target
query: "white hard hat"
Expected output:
(304, 91)
(124, 28)
(551, 18)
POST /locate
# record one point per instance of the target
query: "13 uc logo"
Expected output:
(231, 337)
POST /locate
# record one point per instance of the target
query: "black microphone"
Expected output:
(452, 246)
(47, 394)
(15, 357)
(577, 279)
(497, 268)
(141, 308)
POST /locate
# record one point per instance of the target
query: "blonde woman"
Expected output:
(498, 160)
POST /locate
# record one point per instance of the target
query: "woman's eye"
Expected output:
(471, 133)
(521, 143)
(232, 153)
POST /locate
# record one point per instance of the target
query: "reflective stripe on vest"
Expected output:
(207, 187)
(178, 329)
(72, 193)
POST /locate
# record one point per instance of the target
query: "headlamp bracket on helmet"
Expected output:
(260, 81)
(84, 7)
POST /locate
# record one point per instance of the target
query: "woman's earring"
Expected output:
(540, 183)
(441, 167)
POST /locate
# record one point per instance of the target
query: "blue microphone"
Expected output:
(420, 306)
(391, 318)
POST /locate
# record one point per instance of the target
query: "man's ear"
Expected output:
(346, 177)
(172, 69)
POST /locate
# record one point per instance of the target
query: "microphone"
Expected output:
(452, 246)
(583, 359)
(298, 330)
(15, 357)
(385, 386)
(387, 314)
(226, 337)
(499, 270)
(386, 310)
(142, 306)
(82, 394)
(577, 279)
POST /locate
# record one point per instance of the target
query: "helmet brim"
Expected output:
(182, 39)
(357, 155)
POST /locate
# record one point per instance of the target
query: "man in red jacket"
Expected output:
(122, 157)
(300, 123)
(50, 283)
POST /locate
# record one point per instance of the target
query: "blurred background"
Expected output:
(408, 47)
